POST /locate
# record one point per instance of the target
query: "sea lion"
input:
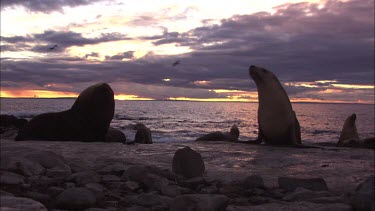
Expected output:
(278, 124)
(87, 120)
(231, 136)
(349, 134)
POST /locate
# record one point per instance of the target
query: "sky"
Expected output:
(321, 51)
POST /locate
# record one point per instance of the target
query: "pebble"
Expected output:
(76, 198)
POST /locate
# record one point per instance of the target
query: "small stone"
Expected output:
(192, 182)
(97, 189)
(314, 184)
(76, 198)
(254, 181)
(54, 191)
(83, 178)
(10, 178)
(188, 163)
(12, 203)
(132, 185)
(301, 194)
(170, 190)
(68, 185)
(43, 198)
(230, 189)
(110, 178)
(212, 189)
(21, 165)
(258, 200)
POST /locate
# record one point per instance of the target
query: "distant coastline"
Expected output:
(67, 98)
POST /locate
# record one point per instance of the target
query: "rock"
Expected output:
(212, 189)
(143, 134)
(253, 181)
(301, 194)
(83, 178)
(291, 183)
(95, 209)
(230, 190)
(22, 165)
(170, 190)
(188, 163)
(234, 131)
(97, 189)
(40, 197)
(110, 178)
(193, 182)
(199, 202)
(115, 135)
(69, 185)
(19, 203)
(56, 165)
(10, 121)
(143, 175)
(363, 198)
(113, 168)
(151, 200)
(54, 191)
(133, 186)
(10, 178)
(326, 200)
(87, 120)
(4, 193)
(294, 206)
(137, 208)
(258, 200)
(76, 198)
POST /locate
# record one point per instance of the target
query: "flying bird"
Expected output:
(53, 47)
(176, 63)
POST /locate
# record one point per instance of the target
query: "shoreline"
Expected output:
(342, 168)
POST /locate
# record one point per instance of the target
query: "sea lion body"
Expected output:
(277, 121)
(87, 120)
(349, 133)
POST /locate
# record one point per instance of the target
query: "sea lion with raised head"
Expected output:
(277, 122)
(349, 133)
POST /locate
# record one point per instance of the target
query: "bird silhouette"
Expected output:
(53, 47)
(176, 63)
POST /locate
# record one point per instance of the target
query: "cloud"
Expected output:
(299, 43)
(62, 39)
(120, 56)
(45, 6)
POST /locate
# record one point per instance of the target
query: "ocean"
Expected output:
(178, 121)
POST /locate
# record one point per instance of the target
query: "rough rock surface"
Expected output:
(245, 175)
(290, 183)
(19, 203)
(364, 195)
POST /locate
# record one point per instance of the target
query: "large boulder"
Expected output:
(87, 120)
(188, 163)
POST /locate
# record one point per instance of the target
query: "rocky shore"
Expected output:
(40, 175)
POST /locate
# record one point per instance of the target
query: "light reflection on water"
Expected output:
(186, 121)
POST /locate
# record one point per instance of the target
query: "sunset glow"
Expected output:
(60, 46)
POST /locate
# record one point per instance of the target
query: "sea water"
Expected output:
(175, 121)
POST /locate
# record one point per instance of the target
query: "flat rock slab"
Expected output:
(223, 160)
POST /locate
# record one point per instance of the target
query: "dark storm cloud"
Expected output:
(62, 39)
(299, 43)
(45, 6)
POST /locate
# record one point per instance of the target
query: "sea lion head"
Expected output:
(260, 75)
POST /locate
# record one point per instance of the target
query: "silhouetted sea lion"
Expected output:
(87, 120)
(232, 136)
(278, 124)
(349, 134)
